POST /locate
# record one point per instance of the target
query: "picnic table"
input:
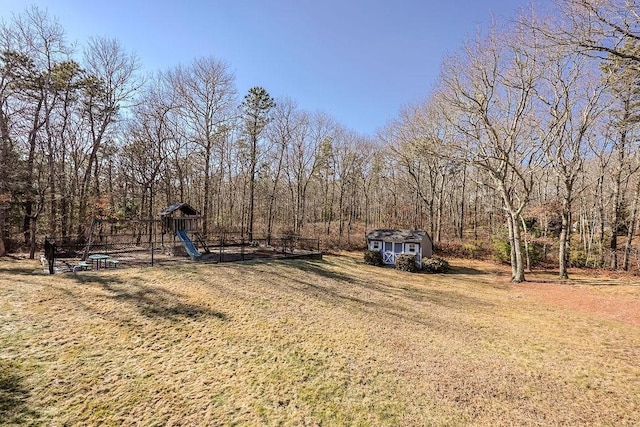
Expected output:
(112, 262)
(97, 258)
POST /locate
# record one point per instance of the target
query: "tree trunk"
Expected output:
(613, 243)
(631, 229)
(617, 184)
(5, 186)
(96, 142)
(462, 202)
(341, 209)
(330, 207)
(517, 241)
(526, 244)
(512, 251)
(272, 196)
(28, 204)
(563, 252)
(207, 187)
(252, 184)
(601, 217)
(3, 248)
(440, 208)
(32, 236)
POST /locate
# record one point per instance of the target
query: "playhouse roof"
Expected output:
(404, 236)
(182, 207)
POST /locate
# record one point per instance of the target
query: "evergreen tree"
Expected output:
(256, 109)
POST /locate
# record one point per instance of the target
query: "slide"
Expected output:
(188, 245)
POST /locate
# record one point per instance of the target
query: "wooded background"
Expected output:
(528, 142)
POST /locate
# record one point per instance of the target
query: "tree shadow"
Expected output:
(13, 397)
(150, 301)
(466, 270)
(319, 267)
(153, 302)
(90, 278)
(20, 271)
(376, 296)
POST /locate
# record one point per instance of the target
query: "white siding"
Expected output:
(375, 245)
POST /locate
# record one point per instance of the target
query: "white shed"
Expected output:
(391, 243)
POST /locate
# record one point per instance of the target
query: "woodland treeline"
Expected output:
(528, 140)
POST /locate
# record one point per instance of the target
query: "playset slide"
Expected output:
(188, 245)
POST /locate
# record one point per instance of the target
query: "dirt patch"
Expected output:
(602, 297)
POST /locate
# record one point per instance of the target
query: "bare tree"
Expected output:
(205, 94)
(348, 159)
(598, 28)
(286, 119)
(110, 86)
(149, 135)
(417, 142)
(304, 158)
(571, 100)
(487, 93)
(623, 78)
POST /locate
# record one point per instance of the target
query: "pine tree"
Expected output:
(256, 109)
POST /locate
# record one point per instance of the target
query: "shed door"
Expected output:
(388, 257)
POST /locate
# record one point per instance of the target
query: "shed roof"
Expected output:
(408, 236)
(182, 207)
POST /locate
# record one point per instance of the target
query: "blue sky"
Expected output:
(358, 60)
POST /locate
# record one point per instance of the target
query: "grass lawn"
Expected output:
(300, 342)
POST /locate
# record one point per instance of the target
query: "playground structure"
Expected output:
(188, 245)
(176, 237)
(179, 219)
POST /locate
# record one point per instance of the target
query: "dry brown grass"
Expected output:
(331, 342)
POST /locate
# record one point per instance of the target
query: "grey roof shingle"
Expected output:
(182, 207)
(408, 236)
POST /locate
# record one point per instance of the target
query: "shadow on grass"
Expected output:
(13, 397)
(465, 270)
(571, 281)
(320, 268)
(374, 294)
(159, 303)
(151, 301)
(90, 278)
(22, 271)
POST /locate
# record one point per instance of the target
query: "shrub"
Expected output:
(578, 258)
(435, 265)
(372, 258)
(502, 250)
(472, 250)
(476, 249)
(406, 262)
(536, 253)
